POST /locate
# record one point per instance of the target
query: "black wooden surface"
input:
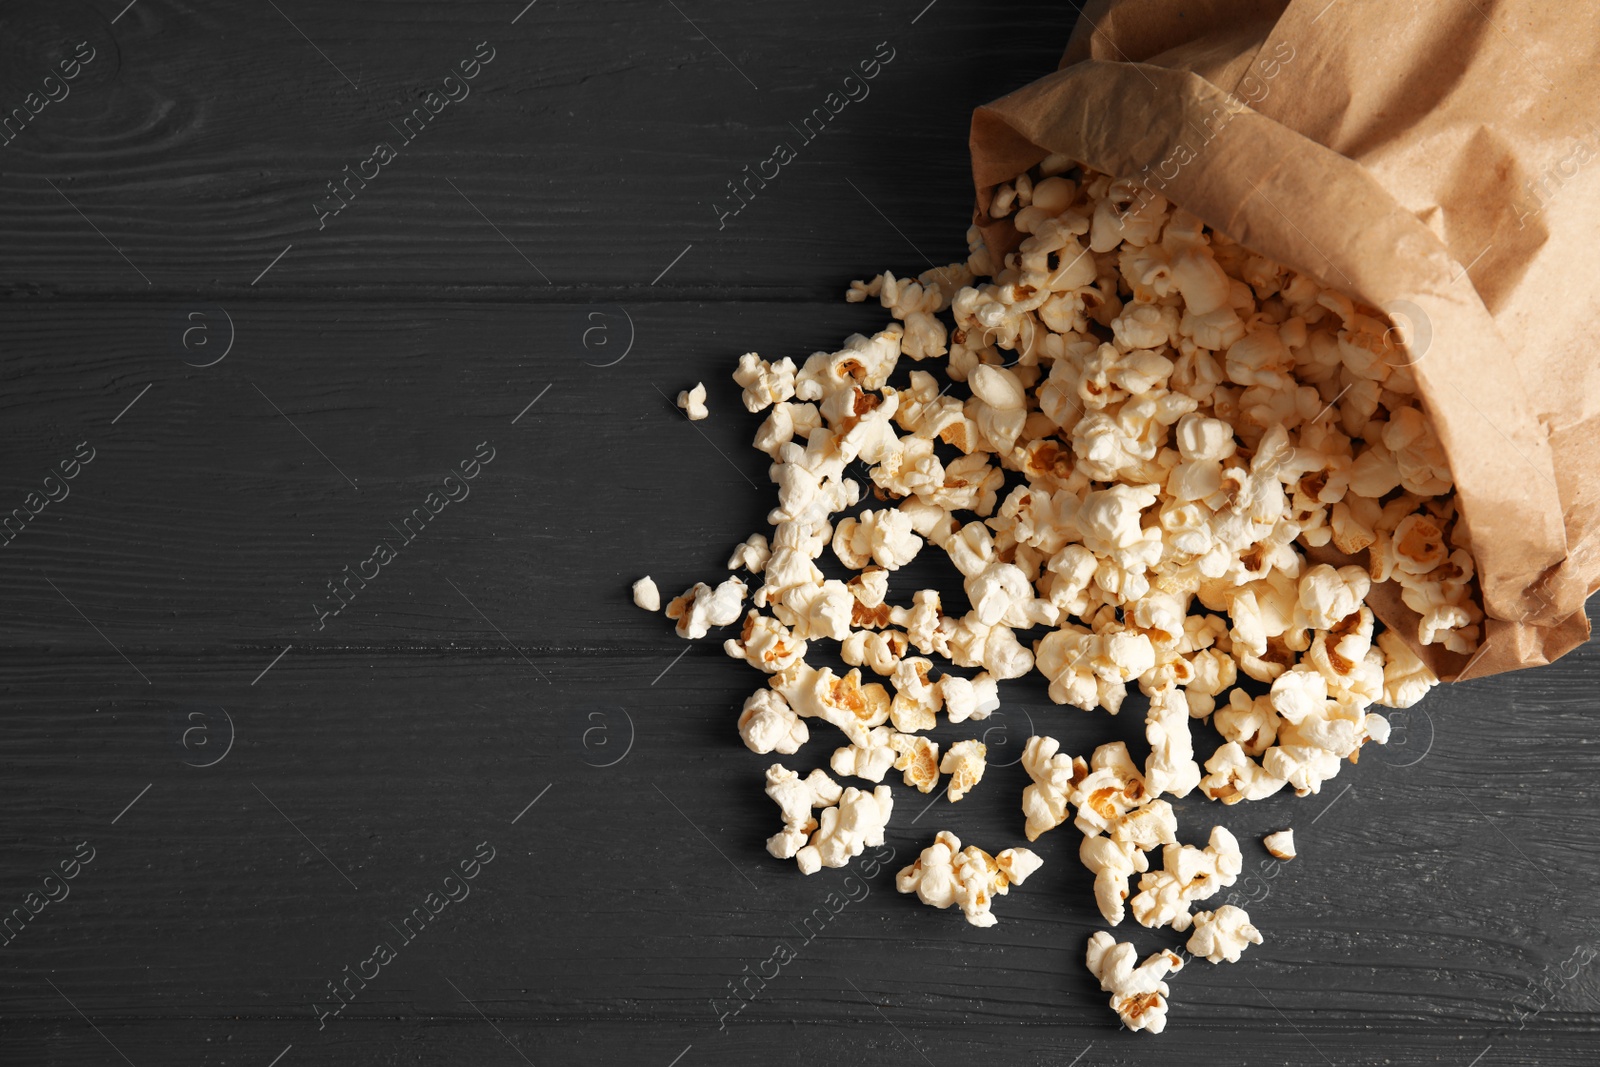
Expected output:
(553, 237)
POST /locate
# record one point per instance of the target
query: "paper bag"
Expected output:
(1439, 162)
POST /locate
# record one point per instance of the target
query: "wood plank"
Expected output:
(589, 152)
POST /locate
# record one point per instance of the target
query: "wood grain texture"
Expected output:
(1444, 884)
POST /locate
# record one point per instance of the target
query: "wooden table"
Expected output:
(252, 789)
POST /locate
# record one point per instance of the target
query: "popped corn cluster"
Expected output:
(1145, 435)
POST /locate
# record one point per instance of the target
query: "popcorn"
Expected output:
(768, 724)
(693, 402)
(871, 760)
(846, 703)
(1113, 864)
(847, 829)
(1281, 845)
(1251, 722)
(1187, 874)
(919, 759)
(764, 383)
(1222, 934)
(1112, 788)
(766, 644)
(964, 762)
(916, 700)
(796, 798)
(882, 537)
(1171, 767)
(701, 607)
(752, 554)
(1406, 679)
(822, 610)
(969, 698)
(646, 595)
(1233, 776)
(1055, 777)
(946, 874)
(1138, 994)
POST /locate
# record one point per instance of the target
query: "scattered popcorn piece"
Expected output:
(1171, 767)
(946, 874)
(1406, 679)
(845, 830)
(646, 595)
(796, 798)
(752, 554)
(701, 607)
(1187, 874)
(768, 724)
(964, 762)
(846, 703)
(1234, 776)
(764, 383)
(969, 698)
(1113, 864)
(693, 402)
(1113, 788)
(870, 761)
(766, 644)
(919, 758)
(1055, 776)
(1138, 994)
(1281, 845)
(1222, 934)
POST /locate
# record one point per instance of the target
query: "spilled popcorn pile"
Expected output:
(1155, 434)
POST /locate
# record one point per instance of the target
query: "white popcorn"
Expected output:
(1171, 767)
(1222, 934)
(1187, 874)
(768, 724)
(1406, 679)
(646, 595)
(969, 698)
(1138, 994)
(1234, 776)
(964, 762)
(796, 798)
(764, 383)
(821, 610)
(766, 644)
(879, 652)
(1113, 788)
(752, 554)
(916, 699)
(883, 537)
(946, 874)
(1113, 864)
(693, 402)
(1280, 844)
(871, 588)
(1055, 775)
(1109, 518)
(919, 759)
(1299, 693)
(870, 761)
(848, 828)
(701, 607)
(846, 703)
(1252, 722)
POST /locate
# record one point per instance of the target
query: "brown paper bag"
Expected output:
(1440, 162)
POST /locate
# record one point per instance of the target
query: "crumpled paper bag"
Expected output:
(1440, 162)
